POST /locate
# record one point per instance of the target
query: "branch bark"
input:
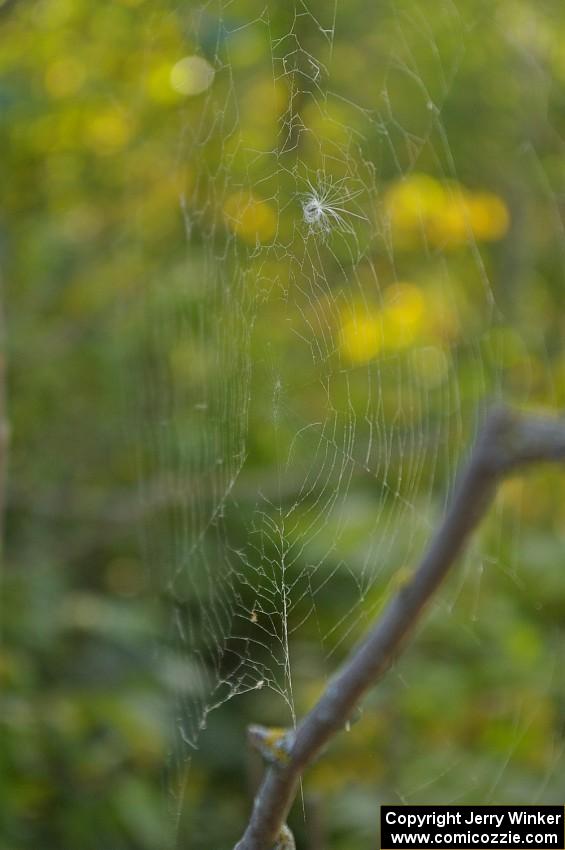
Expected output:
(508, 441)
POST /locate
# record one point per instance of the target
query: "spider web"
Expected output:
(319, 355)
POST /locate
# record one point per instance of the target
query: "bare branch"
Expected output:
(507, 442)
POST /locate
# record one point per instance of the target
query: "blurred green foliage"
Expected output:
(153, 153)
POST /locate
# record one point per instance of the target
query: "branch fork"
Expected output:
(507, 442)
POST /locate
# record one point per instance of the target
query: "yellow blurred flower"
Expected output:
(366, 331)
(488, 215)
(449, 225)
(447, 215)
(158, 83)
(251, 218)
(362, 337)
(403, 315)
(411, 204)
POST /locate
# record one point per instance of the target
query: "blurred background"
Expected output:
(264, 266)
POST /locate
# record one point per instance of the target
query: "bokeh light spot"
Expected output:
(191, 75)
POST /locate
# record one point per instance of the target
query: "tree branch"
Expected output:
(507, 441)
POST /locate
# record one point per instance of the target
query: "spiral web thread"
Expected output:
(314, 377)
